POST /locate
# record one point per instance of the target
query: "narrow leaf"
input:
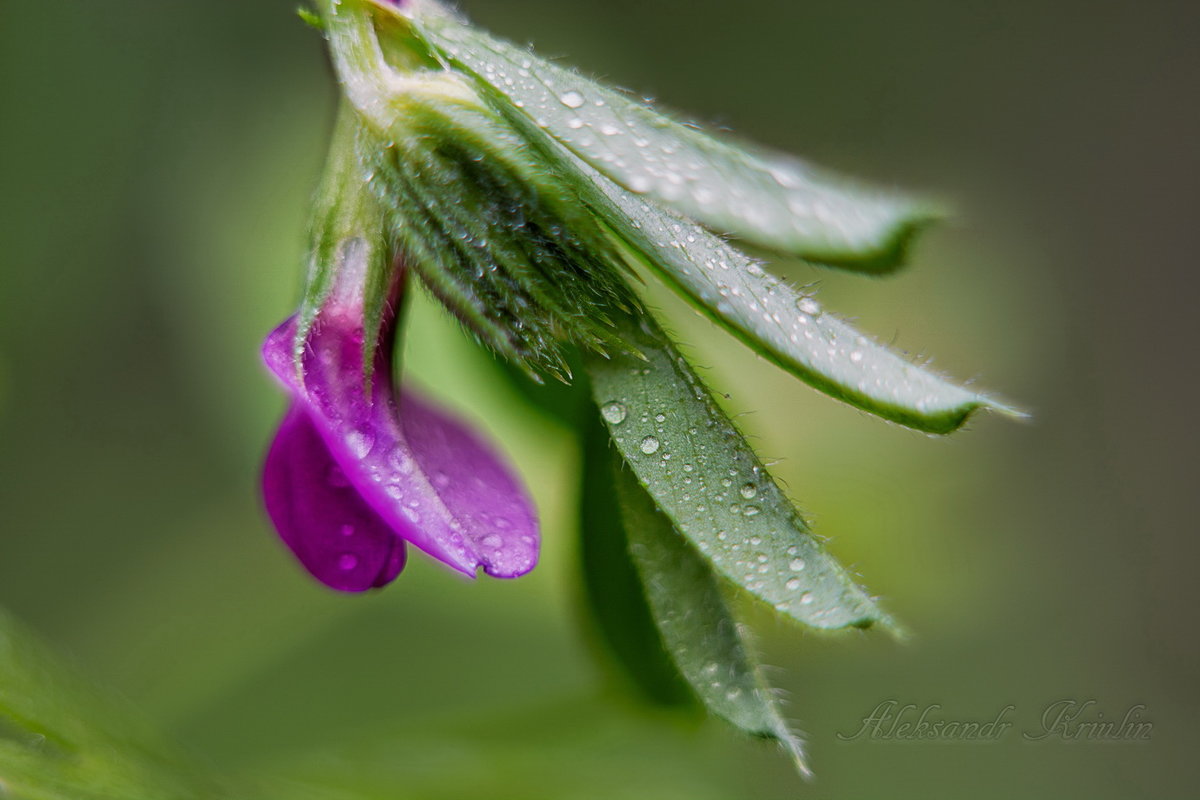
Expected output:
(704, 476)
(497, 234)
(772, 200)
(612, 589)
(788, 327)
(696, 623)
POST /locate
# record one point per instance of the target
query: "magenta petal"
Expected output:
(436, 484)
(471, 480)
(321, 517)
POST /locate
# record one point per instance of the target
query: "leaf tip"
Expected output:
(794, 747)
(1009, 410)
(311, 18)
(891, 253)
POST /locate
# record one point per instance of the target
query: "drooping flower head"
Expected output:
(360, 468)
(532, 202)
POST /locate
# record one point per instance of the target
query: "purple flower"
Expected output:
(359, 469)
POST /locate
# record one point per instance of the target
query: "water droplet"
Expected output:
(807, 599)
(793, 584)
(809, 306)
(797, 564)
(401, 461)
(347, 562)
(660, 418)
(785, 178)
(640, 184)
(572, 99)
(615, 413)
(749, 491)
(575, 123)
(856, 356)
(650, 445)
(493, 541)
(751, 511)
(360, 443)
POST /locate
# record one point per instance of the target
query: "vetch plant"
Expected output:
(532, 202)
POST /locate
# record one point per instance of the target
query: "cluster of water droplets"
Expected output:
(734, 514)
(650, 153)
(790, 324)
(481, 534)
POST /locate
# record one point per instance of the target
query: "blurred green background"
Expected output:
(157, 160)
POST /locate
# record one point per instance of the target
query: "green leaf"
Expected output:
(696, 623)
(772, 200)
(62, 740)
(786, 326)
(704, 476)
(495, 232)
(612, 588)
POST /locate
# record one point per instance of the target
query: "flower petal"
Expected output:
(472, 480)
(321, 517)
(425, 474)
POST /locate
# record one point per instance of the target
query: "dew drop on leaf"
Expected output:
(614, 413)
(572, 99)
(809, 306)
